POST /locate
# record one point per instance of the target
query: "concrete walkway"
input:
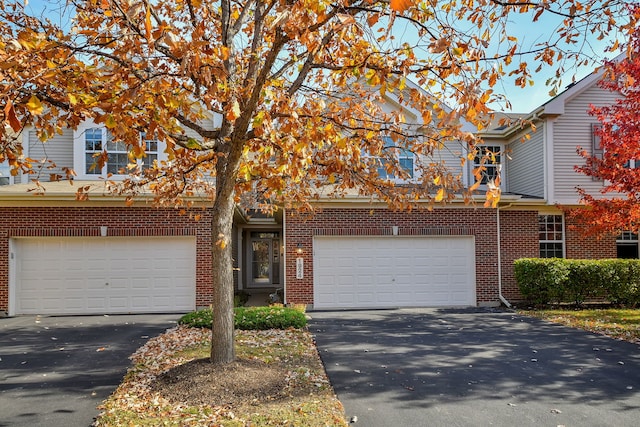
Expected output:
(475, 367)
(54, 371)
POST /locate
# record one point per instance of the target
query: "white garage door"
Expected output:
(394, 271)
(104, 275)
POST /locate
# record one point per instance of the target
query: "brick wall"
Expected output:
(481, 223)
(579, 246)
(121, 221)
(518, 239)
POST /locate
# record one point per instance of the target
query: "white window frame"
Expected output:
(5, 172)
(25, 153)
(598, 151)
(628, 238)
(552, 241)
(80, 154)
(400, 154)
(498, 166)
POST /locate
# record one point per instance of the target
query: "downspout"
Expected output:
(284, 256)
(502, 298)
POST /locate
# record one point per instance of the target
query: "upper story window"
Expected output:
(598, 150)
(492, 162)
(91, 142)
(405, 158)
(551, 236)
(151, 149)
(5, 174)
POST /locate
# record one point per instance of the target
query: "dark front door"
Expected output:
(264, 259)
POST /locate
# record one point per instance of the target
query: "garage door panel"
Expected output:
(393, 271)
(385, 298)
(106, 275)
(94, 304)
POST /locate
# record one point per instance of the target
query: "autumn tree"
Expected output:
(616, 160)
(273, 102)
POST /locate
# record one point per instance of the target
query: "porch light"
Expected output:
(299, 248)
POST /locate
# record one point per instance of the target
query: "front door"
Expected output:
(264, 259)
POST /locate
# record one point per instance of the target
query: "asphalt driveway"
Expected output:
(475, 367)
(54, 371)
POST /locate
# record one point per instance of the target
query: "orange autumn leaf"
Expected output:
(10, 115)
(147, 22)
(401, 5)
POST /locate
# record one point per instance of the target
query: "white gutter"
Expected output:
(283, 258)
(502, 298)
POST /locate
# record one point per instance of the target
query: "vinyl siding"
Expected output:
(57, 151)
(573, 129)
(449, 156)
(525, 170)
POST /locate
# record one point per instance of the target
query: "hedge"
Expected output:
(557, 280)
(251, 318)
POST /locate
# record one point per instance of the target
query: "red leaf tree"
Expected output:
(617, 162)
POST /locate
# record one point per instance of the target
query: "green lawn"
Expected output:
(613, 322)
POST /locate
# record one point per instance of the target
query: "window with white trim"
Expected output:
(96, 140)
(5, 173)
(551, 236)
(405, 158)
(151, 149)
(93, 140)
(492, 163)
(627, 245)
(598, 150)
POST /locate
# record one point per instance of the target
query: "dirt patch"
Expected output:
(235, 384)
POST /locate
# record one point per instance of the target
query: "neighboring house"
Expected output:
(59, 256)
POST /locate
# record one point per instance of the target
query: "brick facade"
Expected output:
(518, 239)
(121, 221)
(480, 223)
(579, 246)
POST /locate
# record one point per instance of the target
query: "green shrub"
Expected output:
(557, 280)
(584, 281)
(541, 280)
(251, 318)
(625, 290)
(197, 319)
(271, 317)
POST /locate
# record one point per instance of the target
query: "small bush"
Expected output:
(258, 318)
(197, 319)
(251, 318)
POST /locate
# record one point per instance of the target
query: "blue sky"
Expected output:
(523, 100)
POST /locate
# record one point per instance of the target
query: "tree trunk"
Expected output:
(222, 341)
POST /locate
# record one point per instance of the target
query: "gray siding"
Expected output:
(571, 130)
(525, 165)
(449, 156)
(57, 150)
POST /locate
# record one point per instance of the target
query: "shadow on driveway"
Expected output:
(464, 367)
(54, 371)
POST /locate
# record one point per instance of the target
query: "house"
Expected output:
(58, 256)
